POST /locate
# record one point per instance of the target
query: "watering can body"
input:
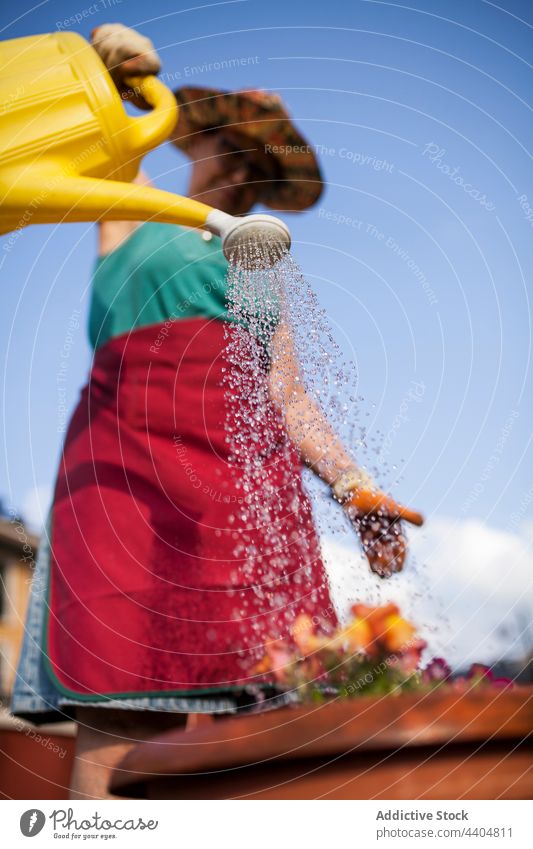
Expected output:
(68, 149)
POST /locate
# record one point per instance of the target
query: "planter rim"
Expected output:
(362, 724)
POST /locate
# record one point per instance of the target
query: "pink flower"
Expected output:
(303, 634)
(478, 670)
(408, 659)
(436, 670)
(482, 674)
(278, 661)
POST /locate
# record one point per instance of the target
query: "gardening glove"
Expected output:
(126, 53)
(376, 518)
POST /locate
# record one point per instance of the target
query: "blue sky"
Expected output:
(420, 249)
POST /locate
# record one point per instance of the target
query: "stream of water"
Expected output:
(278, 333)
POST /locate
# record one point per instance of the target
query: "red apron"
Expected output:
(147, 595)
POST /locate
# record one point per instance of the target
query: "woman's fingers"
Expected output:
(383, 541)
(376, 517)
(124, 51)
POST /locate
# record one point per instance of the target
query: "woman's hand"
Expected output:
(126, 53)
(382, 539)
(377, 520)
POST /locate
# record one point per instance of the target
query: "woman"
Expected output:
(141, 612)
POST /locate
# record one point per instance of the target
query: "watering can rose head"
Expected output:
(253, 241)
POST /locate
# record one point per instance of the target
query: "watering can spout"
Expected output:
(255, 241)
(68, 199)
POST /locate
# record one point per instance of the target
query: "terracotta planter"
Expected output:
(444, 745)
(34, 763)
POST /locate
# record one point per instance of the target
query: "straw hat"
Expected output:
(262, 117)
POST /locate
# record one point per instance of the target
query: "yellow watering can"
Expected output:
(68, 149)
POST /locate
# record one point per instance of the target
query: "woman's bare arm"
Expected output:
(374, 515)
(307, 426)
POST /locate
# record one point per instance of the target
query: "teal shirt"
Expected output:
(161, 271)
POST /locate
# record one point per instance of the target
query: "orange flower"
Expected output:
(398, 634)
(357, 636)
(264, 665)
(376, 632)
(390, 632)
(374, 614)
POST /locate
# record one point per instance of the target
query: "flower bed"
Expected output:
(378, 652)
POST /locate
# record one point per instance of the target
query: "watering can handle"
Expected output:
(147, 132)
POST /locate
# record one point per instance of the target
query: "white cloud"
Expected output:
(35, 506)
(464, 581)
